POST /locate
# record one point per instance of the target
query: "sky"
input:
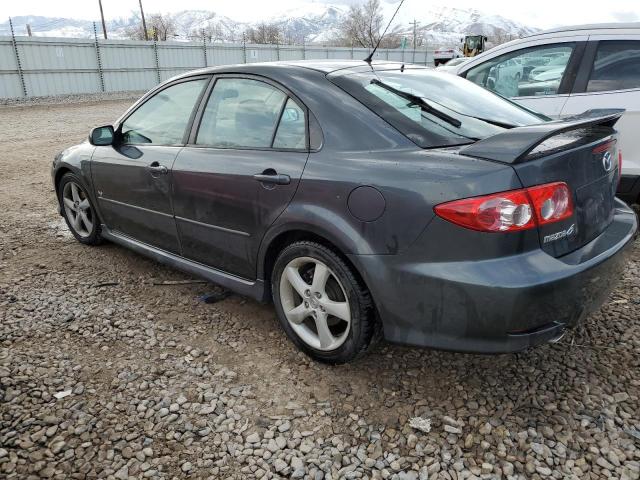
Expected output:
(536, 13)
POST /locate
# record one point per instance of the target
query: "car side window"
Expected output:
(292, 128)
(616, 66)
(163, 119)
(241, 113)
(535, 71)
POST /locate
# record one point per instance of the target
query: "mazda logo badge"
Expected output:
(606, 161)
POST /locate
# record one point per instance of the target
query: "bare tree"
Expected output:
(264, 33)
(363, 26)
(363, 23)
(161, 27)
(213, 32)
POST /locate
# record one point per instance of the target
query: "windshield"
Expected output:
(472, 42)
(478, 112)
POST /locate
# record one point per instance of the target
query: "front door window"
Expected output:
(163, 119)
(535, 71)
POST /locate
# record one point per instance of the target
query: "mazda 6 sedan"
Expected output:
(364, 200)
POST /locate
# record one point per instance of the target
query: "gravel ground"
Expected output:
(105, 374)
(71, 98)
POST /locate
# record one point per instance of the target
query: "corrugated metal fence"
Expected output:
(38, 66)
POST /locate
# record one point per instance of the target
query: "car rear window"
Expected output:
(477, 112)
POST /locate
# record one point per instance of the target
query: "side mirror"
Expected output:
(100, 136)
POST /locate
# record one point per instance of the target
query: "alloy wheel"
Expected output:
(78, 209)
(315, 303)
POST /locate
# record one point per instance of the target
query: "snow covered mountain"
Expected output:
(444, 24)
(313, 21)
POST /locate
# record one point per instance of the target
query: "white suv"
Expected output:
(569, 70)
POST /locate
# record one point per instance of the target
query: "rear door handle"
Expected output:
(274, 178)
(158, 169)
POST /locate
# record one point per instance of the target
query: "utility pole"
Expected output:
(415, 40)
(104, 26)
(415, 26)
(144, 22)
(29, 30)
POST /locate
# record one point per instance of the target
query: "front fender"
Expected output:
(77, 160)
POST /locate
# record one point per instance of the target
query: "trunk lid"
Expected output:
(580, 151)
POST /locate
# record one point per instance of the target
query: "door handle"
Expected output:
(156, 168)
(274, 178)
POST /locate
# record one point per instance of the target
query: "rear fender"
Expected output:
(317, 221)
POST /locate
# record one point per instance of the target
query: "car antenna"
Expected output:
(370, 57)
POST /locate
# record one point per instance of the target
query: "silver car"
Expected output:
(568, 70)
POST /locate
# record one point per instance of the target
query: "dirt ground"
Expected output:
(162, 385)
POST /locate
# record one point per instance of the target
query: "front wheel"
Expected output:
(78, 211)
(323, 307)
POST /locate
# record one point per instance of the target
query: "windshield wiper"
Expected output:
(421, 102)
(492, 122)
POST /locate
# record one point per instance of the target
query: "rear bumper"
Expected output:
(499, 305)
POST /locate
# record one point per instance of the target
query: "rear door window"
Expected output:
(616, 66)
(241, 113)
(292, 128)
(535, 71)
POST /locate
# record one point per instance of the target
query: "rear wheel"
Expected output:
(322, 306)
(78, 210)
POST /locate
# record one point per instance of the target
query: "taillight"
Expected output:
(609, 144)
(551, 202)
(619, 165)
(510, 211)
(491, 213)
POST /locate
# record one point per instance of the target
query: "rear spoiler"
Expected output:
(513, 146)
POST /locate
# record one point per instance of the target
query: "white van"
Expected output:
(569, 70)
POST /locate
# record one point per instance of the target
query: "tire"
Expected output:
(80, 215)
(311, 308)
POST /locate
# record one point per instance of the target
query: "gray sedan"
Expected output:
(366, 201)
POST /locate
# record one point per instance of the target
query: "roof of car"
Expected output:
(591, 26)
(324, 66)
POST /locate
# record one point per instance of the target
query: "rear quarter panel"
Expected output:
(412, 182)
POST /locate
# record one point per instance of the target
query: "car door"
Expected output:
(239, 171)
(537, 74)
(132, 178)
(610, 78)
